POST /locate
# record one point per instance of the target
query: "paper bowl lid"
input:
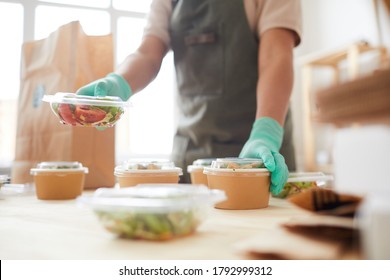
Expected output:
(232, 164)
(147, 166)
(56, 166)
(75, 99)
(153, 198)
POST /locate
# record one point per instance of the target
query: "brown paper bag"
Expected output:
(65, 61)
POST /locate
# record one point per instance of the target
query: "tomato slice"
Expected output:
(66, 114)
(88, 114)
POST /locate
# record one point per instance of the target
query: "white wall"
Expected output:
(330, 25)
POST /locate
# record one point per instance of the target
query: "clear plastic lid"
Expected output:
(203, 161)
(232, 164)
(153, 198)
(308, 177)
(147, 166)
(72, 98)
(16, 189)
(55, 166)
(199, 164)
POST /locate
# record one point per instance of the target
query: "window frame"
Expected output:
(29, 23)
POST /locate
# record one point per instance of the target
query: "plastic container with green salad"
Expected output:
(301, 181)
(153, 211)
(82, 110)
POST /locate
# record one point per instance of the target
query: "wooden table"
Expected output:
(38, 229)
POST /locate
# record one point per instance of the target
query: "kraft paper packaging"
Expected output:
(63, 62)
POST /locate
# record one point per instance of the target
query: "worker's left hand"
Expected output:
(264, 142)
(112, 85)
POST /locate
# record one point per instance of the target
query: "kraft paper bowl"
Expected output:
(59, 180)
(135, 172)
(196, 170)
(245, 181)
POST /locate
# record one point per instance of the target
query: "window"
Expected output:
(11, 14)
(141, 6)
(86, 3)
(94, 22)
(152, 113)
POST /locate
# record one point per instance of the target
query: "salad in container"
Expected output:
(57, 180)
(245, 181)
(144, 171)
(152, 211)
(82, 110)
(301, 181)
(196, 170)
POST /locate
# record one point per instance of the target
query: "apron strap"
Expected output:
(174, 3)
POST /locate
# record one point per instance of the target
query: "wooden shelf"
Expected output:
(351, 55)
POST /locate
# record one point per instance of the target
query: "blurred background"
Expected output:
(332, 30)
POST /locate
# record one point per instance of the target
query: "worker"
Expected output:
(234, 70)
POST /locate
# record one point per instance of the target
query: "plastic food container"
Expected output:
(153, 211)
(196, 170)
(4, 179)
(144, 171)
(59, 180)
(82, 110)
(245, 181)
(300, 181)
(11, 190)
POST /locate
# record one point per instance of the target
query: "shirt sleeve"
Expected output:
(158, 19)
(281, 14)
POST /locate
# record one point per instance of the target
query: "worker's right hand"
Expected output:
(111, 85)
(264, 142)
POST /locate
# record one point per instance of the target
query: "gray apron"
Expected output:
(215, 55)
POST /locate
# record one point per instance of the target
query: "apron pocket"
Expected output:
(199, 62)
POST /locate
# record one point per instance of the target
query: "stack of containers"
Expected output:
(360, 110)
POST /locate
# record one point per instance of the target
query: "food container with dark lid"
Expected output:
(245, 181)
(59, 179)
(83, 110)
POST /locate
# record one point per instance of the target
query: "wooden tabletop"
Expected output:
(39, 229)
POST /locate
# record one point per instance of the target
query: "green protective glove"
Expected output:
(112, 85)
(264, 142)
